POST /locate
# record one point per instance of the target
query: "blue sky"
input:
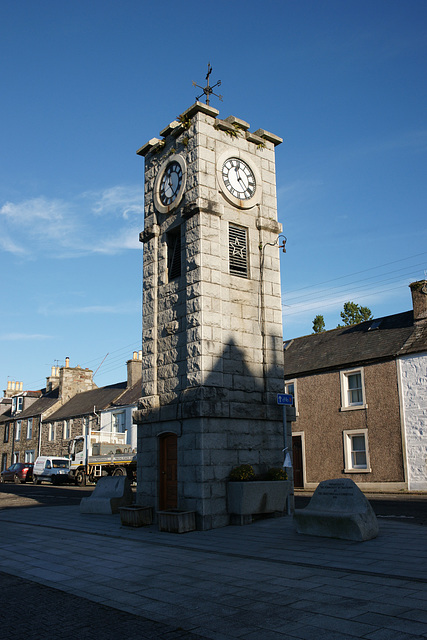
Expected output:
(86, 83)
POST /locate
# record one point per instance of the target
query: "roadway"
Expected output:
(410, 507)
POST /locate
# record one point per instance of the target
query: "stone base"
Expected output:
(176, 521)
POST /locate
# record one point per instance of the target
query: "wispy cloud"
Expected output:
(119, 200)
(73, 228)
(49, 309)
(24, 336)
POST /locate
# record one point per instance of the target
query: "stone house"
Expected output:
(108, 408)
(22, 425)
(360, 396)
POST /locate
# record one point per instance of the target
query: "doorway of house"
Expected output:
(168, 480)
(298, 462)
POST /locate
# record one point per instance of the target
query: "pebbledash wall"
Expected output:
(413, 390)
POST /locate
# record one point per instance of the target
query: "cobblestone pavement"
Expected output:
(36, 612)
(258, 582)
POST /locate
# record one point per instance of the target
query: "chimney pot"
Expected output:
(67, 362)
(9, 385)
(139, 355)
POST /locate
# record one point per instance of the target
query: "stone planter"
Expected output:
(176, 521)
(258, 497)
(136, 516)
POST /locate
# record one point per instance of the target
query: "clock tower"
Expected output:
(212, 321)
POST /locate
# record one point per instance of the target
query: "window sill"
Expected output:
(357, 470)
(354, 407)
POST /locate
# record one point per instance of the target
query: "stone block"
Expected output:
(258, 497)
(176, 521)
(338, 509)
(110, 493)
(136, 516)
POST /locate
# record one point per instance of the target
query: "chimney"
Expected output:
(419, 299)
(134, 369)
(73, 380)
(52, 382)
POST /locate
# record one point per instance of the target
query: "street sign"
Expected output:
(285, 398)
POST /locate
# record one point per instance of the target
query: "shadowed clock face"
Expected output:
(170, 183)
(238, 178)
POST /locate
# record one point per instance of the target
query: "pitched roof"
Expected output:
(130, 396)
(41, 405)
(370, 341)
(84, 403)
(36, 408)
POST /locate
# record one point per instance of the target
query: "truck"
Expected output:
(100, 453)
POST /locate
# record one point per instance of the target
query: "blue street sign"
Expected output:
(285, 398)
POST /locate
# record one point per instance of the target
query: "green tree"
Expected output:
(354, 314)
(318, 324)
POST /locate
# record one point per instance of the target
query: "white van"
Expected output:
(51, 469)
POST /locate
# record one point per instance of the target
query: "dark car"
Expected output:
(18, 472)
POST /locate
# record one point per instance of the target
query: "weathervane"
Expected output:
(208, 91)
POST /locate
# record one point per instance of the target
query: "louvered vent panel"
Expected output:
(238, 250)
(174, 255)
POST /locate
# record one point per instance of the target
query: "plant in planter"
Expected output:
(250, 494)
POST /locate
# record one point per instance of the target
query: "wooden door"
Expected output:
(168, 483)
(297, 461)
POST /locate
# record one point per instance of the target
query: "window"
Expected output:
(6, 432)
(173, 242)
(29, 430)
(17, 404)
(18, 430)
(3, 461)
(238, 250)
(352, 389)
(67, 429)
(356, 451)
(15, 457)
(118, 422)
(51, 432)
(29, 455)
(291, 388)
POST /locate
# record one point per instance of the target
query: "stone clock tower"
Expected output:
(212, 321)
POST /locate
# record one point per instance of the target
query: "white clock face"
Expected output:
(238, 178)
(170, 183)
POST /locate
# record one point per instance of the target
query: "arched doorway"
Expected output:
(168, 482)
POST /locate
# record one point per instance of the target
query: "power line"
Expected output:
(355, 282)
(386, 264)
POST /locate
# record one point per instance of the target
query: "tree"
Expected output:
(354, 314)
(318, 324)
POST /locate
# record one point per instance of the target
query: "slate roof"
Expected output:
(130, 396)
(83, 403)
(38, 407)
(370, 341)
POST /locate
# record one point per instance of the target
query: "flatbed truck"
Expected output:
(100, 453)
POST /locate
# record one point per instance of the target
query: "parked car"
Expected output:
(18, 472)
(51, 469)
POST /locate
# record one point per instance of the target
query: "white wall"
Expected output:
(413, 380)
(107, 421)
